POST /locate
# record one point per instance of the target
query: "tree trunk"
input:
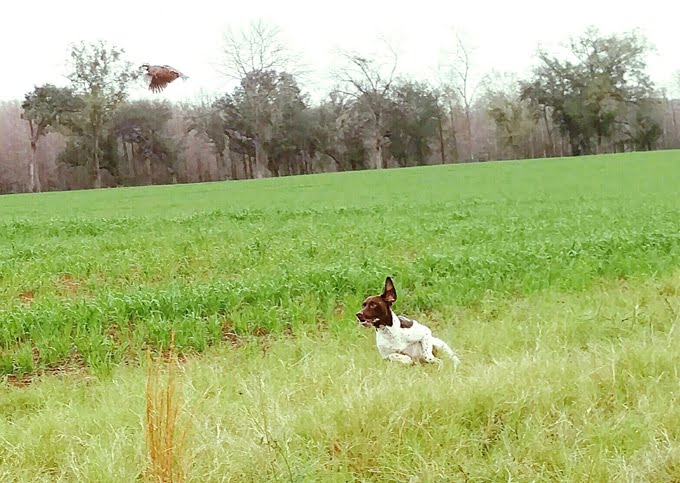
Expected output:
(442, 147)
(454, 136)
(34, 176)
(306, 162)
(468, 126)
(261, 159)
(147, 165)
(675, 124)
(224, 168)
(98, 177)
(375, 148)
(31, 177)
(377, 155)
(549, 132)
(248, 166)
(229, 159)
(130, 158)
(234, 173)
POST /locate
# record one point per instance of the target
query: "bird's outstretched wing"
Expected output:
(159, 76)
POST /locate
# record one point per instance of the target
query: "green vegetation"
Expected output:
(100, 275)
(553, 387)
(557, 281)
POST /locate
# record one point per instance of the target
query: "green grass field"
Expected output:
(556, 281)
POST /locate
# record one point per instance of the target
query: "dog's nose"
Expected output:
(359, 316)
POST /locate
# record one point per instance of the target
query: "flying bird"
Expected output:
(159, 76)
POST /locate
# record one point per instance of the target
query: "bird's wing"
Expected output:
(161, 76)
(177, 72)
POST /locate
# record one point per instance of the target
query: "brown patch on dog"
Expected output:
(405, 322)
(375, 311)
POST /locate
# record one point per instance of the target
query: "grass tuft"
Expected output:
(166, 434)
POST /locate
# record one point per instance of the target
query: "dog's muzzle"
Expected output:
(365, 322)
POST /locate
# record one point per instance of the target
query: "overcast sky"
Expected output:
(35, 35)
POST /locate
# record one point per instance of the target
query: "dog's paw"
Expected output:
(403, 358)
(435, 360)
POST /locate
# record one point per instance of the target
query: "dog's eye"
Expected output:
(372, 305)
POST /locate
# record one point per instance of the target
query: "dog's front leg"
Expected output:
(403, 358)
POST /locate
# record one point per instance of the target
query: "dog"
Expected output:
(399, 338)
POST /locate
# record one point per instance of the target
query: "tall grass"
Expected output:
(166, 441)
(553, 386)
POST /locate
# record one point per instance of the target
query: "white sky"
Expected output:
(35, 35)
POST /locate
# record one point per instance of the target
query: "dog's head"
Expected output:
(375, 310)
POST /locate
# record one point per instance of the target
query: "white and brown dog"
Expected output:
(399, 338)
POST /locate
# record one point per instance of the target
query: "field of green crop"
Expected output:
(557, 282)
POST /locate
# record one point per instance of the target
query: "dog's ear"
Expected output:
(389, 294)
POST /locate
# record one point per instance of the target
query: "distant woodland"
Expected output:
(590, 96)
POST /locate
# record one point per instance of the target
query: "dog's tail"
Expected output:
(444, 347)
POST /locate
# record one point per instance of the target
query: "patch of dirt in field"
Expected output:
(335, 449)
(27, 296)
(19, 381)
(67, 286)
(229, 334)
(260, 332)
(71, 366)
(167, 356)
(339, 309)
(321, 325)
(263, 337)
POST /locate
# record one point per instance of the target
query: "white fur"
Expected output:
(408, 345)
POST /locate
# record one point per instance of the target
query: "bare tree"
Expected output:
(464, 81)
(257, 57)
(369, 82)
(450, 100)
(258, 48)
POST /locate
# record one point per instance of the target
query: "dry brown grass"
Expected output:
(166, 433)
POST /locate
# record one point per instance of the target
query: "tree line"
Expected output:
(594, 96)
